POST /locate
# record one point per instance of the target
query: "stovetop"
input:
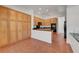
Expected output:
(75, 35)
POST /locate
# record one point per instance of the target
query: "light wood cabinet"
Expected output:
(19, 35)
(47, 22)
(19, 30)
(25, 30)
(25, 18)
(25, 35)
(3, 26)
(19, 16)
(13, 37)
(53, 20)
(24, 25)
(36, 20)
(29, 19)
(12, 32)
(12, 15)
(3, 39)
(19, 26)
(29, 30)
(14, 26)
(3, 13)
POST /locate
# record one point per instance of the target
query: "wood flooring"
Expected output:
(31, 45)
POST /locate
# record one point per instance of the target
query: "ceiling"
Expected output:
(43, 11)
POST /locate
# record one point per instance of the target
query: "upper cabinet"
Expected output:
(19, 16)
(29, 19)
(25, 17)
(3, 13)
(12, 15)
(53, 20)
(45, 22)
(36, 20)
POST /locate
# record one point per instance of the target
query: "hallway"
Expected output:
(36, 46)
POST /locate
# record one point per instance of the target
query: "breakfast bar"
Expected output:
(42, 35)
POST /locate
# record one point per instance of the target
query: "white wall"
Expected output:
(73, 26)
(60, 24)
(73, 19)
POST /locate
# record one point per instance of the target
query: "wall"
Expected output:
(60, 24)
(73, 19)
(73, 26)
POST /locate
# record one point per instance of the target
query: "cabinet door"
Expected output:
(19, 35)
(3, 26)
(19, 26)
(29, 30)
(12, 31)
(24, 30)
(25, 36)
(19, 16)
(12, 15)
(25, 17)
(24, 26)
(29, 19)
(13, 26)
(47, 22)
(53, 20)
(12, 37)
(3, 13)
(3, 39)
(19, 30)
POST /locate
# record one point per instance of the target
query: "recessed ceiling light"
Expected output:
(40, 8)
(47, 10)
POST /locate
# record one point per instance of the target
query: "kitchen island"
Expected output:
(42, 34)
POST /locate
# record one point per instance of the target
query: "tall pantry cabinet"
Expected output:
(3, 26)
(14, 26)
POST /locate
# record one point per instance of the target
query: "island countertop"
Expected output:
(43, 29)
(45, 36)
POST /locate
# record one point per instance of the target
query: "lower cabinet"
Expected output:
(24, 30)
(29, 30)
(19, 35)
(25, 35)
(3, 39)
(13, 38)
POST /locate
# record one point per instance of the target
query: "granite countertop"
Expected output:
(75, 35)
